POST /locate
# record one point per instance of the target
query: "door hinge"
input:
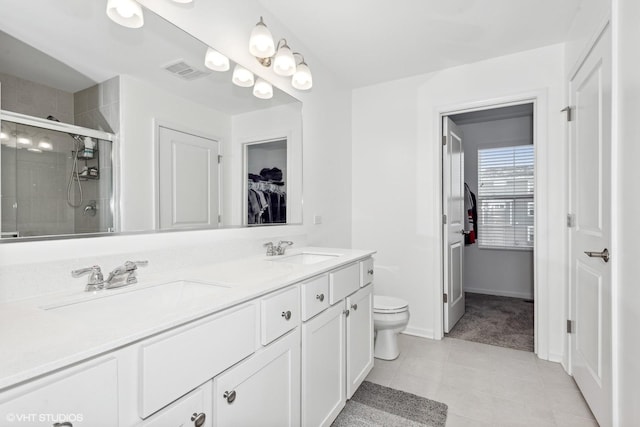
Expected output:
(570, 327)
(568, 110)
(571, 220)
(444, 219)
(219, 159)
(444, 298)
(444, 139)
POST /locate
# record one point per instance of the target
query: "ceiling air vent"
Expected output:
(185, 71)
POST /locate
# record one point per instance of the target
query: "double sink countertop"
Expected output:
(46, 333)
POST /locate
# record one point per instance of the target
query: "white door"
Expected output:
(590, 204)
(323, 367)
(359, 338)
(453, 229)
(264, 390)
(188, 180)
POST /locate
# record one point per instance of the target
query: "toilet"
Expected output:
(390, 317)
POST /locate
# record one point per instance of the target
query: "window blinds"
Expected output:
(505, 197)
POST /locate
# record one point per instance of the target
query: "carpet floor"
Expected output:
(373, 405)
(502, 321)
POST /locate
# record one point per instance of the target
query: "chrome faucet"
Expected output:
(273, 250)
(124, 274)
(96, 279)
(120, 276)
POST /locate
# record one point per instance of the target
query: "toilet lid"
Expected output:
(385, 303)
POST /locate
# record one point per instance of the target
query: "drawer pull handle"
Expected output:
(64, 424)
(320, 297)
(286, 315)
(354, 306)
(370, 271)
(346, 313)
(198, 419)
(230, 396)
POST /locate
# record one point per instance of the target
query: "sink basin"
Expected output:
(170, 295)
(307, 258)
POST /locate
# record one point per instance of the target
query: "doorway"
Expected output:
(494, 187)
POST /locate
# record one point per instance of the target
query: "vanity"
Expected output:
(269, 341)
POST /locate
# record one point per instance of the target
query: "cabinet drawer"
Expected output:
(366, 272)
(186, 411)
(280, 314)
(315, 296)
(176, 363)
(83, 396)
(343, 282)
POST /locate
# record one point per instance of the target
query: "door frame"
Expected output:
(159, 123)
(540, 269)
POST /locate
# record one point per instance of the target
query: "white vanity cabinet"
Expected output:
(337, 345)
(85, 395)
(263, 390)
(193, 410)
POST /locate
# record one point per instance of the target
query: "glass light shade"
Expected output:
(284, 63)
(242, 77)
(302, 79)
(263, 89)
(261, 41)
(216, 61)
(127, 13)
(45, 145)
(24, 140)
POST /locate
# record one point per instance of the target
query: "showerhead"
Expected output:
(77, 138)
(53, 118)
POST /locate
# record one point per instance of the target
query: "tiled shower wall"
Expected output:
(34, 99)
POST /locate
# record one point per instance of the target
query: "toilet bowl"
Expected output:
(390, 317)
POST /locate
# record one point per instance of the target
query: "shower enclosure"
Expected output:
(55, 179)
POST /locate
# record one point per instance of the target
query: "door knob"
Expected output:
(604, 254)
(286, 315)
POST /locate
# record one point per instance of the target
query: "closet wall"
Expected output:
(492, 271)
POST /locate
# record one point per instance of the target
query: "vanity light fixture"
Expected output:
(216, 61)
(242, 77)
(45, 144)
(24, 140)
(263, 89)
(267, 52)
(127, 13)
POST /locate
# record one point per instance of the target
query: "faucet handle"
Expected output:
(282, 246)
(96, 279)
(133, 265)
(270, 249)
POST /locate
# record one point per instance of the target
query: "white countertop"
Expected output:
(35, 341)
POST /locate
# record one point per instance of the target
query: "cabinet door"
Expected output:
(323, 367)
(264, 390)
(193, 410)
(359, 338)
(82, 396)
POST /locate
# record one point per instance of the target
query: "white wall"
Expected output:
(39, 267)
(396, 179)
(490, 271)
(140, 104)
(626, 307)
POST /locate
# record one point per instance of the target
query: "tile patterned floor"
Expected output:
(485, 385)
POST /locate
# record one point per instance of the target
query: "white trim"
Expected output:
(24, 119)
(523, 295)
(420, 332)
(540, 271)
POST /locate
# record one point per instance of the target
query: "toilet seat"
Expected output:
(386, 304)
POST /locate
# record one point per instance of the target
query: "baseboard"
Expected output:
(553, 357)
(419, 332)
(523, 295)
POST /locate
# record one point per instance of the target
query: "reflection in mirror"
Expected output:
(266, 164)
(137, 84)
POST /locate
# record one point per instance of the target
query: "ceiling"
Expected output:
(364, 42)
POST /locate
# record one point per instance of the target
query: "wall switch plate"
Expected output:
(317, 219)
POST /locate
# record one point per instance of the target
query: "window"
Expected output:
(505, 197)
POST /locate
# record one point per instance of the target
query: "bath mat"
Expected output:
(494, 320)
(374, 405)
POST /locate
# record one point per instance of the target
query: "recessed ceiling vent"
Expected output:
(185, 71)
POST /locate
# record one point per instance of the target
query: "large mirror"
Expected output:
(140, 134)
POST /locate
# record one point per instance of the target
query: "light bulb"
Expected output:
(3, 135)
(284, 63)
(45, 145)
(24, 141)
(216, 61)
(261, 41)
(302, 79)
(127, 13)
(262, 89)
(242, 77)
